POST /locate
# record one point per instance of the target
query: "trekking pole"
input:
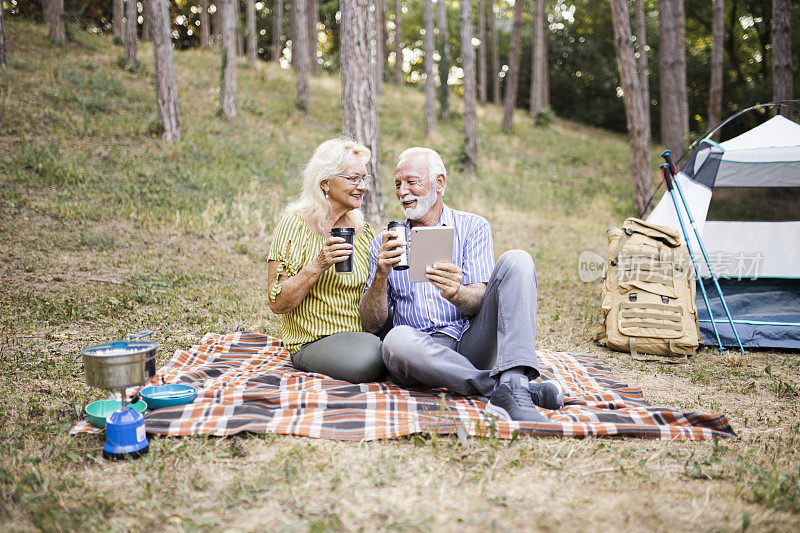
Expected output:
(666, 154)
(665, 172)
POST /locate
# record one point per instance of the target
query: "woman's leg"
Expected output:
(352, 356)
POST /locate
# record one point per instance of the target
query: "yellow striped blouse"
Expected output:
(331, 306)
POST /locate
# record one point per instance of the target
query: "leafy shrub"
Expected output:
(544, 117)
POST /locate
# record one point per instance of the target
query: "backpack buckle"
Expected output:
(632, 297)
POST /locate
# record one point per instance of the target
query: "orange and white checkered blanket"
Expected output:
(246, 382)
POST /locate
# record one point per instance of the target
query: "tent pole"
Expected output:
(666, 154)
(668, 185)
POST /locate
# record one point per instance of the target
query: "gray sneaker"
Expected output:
(513, 401)
(547, 394)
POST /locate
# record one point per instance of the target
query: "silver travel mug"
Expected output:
(401, 230)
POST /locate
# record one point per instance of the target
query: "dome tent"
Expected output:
(752, 235)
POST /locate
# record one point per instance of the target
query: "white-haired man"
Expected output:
(472, 329)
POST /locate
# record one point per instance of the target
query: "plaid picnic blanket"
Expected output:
(245, 382)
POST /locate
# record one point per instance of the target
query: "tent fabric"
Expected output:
(753, 249)
(765, 314)
(776, 132)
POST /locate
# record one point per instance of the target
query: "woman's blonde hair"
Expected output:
(330, 158)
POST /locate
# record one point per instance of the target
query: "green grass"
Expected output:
(105, 231)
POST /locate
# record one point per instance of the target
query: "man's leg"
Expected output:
(414, 358)
(502, 336)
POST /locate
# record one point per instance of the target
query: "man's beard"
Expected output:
(424, 203)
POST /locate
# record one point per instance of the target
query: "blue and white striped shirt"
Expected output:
(420, 305)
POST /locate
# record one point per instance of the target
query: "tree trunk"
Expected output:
(301, 45)
(385, 36)
(512, 76)
(3, 63)
(668, 90)
(631, 96)
(117, 16)
(482, 94)
(496, 96)
(228, 90)
(58, 32)
(164, 63)
(216, 30)
(430, 87)
(715, 88)
(380, 42)
(538, 58)
(468, 64)
(277, 30)
(293, 31)
(146, 20)
(359, 112)
(444, 60)
(641, 48)
(238, 18)
(312, 16)
(680, 71)
(205, 31)
(398, 42)
(131, 30)
(252, 46)
(781, 54)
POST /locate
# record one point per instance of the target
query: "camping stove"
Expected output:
(116, 366)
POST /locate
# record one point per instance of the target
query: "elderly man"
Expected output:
(472, 329)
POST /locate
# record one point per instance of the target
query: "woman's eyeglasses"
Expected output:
(355, 179)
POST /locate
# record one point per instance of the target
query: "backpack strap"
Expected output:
(620, 244)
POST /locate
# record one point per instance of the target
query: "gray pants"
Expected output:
(501, 336)
(350, 356)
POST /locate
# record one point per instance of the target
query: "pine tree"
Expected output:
(228, 90)
(781, 54)
(300, 46)
(470, 96)
(631, 95)
(512, 76)
(359, 112)
(164, 63)
(444, 60)
(715, 87)
(430, 89)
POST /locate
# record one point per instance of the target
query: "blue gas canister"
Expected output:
(125, 435)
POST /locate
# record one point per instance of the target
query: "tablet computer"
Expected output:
(429, 245)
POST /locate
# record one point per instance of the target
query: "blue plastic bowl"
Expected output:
(168, 395)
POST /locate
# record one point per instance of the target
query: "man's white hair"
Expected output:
(330, 158)
(435, 163)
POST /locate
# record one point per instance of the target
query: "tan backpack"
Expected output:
(649, 294)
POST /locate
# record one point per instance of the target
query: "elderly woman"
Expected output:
(321, 322)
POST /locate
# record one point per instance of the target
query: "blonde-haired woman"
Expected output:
(321, 322)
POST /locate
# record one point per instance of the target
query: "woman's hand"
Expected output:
(334, 250)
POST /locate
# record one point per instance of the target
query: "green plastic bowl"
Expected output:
(100, 410)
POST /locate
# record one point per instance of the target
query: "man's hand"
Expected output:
(389, 253)
(446, 277)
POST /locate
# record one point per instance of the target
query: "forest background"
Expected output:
(583, 76)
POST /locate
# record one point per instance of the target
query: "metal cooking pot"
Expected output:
(120, 364)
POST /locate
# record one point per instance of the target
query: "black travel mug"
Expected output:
(401, 230)
(347, 234)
